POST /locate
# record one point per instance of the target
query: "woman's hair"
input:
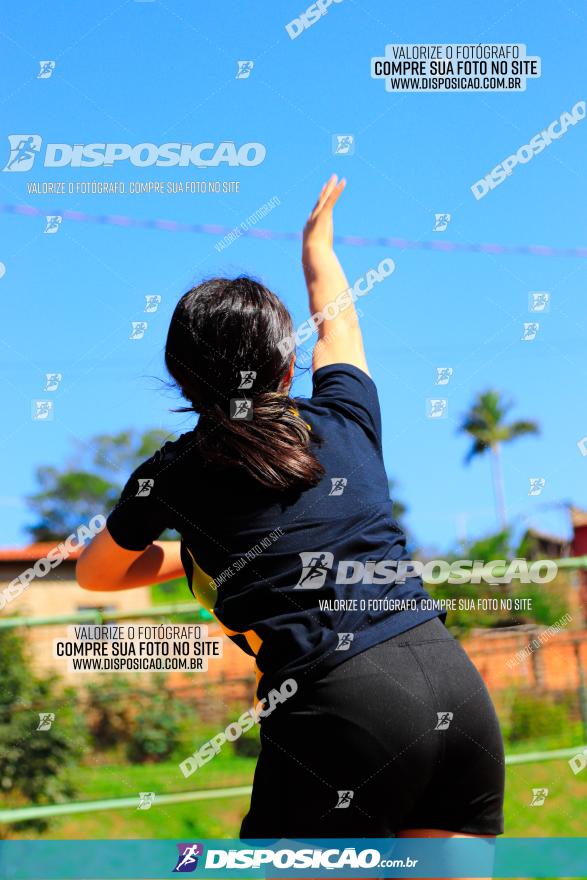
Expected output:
(219, 331)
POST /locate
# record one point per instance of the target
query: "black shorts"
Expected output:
(402, 736)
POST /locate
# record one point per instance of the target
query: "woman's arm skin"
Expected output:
(104, 566)
(339, 338)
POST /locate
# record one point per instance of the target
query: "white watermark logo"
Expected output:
(52, 224)
(42, 410)
(247, 379)
(344, 799)
(52, 381)
(138, 329)
(23, 151)
(24, 148)
(530, 331)
(244, 227)
(455, 67)
(539, 796)
(524, 154)
(54, 557)
(343, 145)
(578, 762)
(443, 375)
(306, 19)
(244, 69)
(146, 800)
(545, 636)
(361, 287)
(538, 301)
(444, 719)
(46, 720)
(318, 564)
(152, 302)
(236, 729)
(46, 69)
(441, 222)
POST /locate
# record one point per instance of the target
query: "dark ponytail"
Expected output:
(226, 354)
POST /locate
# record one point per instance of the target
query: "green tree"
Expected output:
(35, 764)
(89, 483)
(485, 423)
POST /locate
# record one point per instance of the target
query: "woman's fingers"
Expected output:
(330, 186)
(324, 193)
(329, 195)
(334, 196)
(320, 197)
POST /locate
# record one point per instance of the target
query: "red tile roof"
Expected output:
(33, 552)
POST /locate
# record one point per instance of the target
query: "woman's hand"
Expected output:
(319, 229)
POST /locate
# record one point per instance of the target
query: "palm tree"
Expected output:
(485, 423)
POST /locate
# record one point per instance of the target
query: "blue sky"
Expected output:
(165, 71)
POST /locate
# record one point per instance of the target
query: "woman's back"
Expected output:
(304, 579)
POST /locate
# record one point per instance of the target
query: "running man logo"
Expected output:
(441, 222)
(187, 861)
(152, 301)
(344, 799)
(345, 641)
(444, 719)
(138, 329)
(343, 144)
(578, 762)
(23, 151)
(46, 69)
(539, 795)
(443, 375)
(315, 566)
(247, 378)
(145, 486)
(244, 69)
(437, 408)
(146, 800)
(42, 410)
(52, 381)
(53, 222)
(530, 331)
(338, 485)
(46, 719)
(241, 409)
(537, 484)
(538, 301)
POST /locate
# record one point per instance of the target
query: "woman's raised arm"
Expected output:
(331, 304)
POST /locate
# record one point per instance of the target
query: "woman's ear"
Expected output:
(288, 378)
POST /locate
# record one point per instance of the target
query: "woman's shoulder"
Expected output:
(173, 450)
(348, 392)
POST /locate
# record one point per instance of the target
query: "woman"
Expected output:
(284, 513)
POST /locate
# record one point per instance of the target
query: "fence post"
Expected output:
(581, 686)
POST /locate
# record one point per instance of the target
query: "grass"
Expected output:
(564, 813)
(171, 591)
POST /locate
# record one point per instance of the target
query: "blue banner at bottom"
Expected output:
(366, 858)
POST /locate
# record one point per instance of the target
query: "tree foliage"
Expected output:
(485, 423)
(89, 483)
(35, 764)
